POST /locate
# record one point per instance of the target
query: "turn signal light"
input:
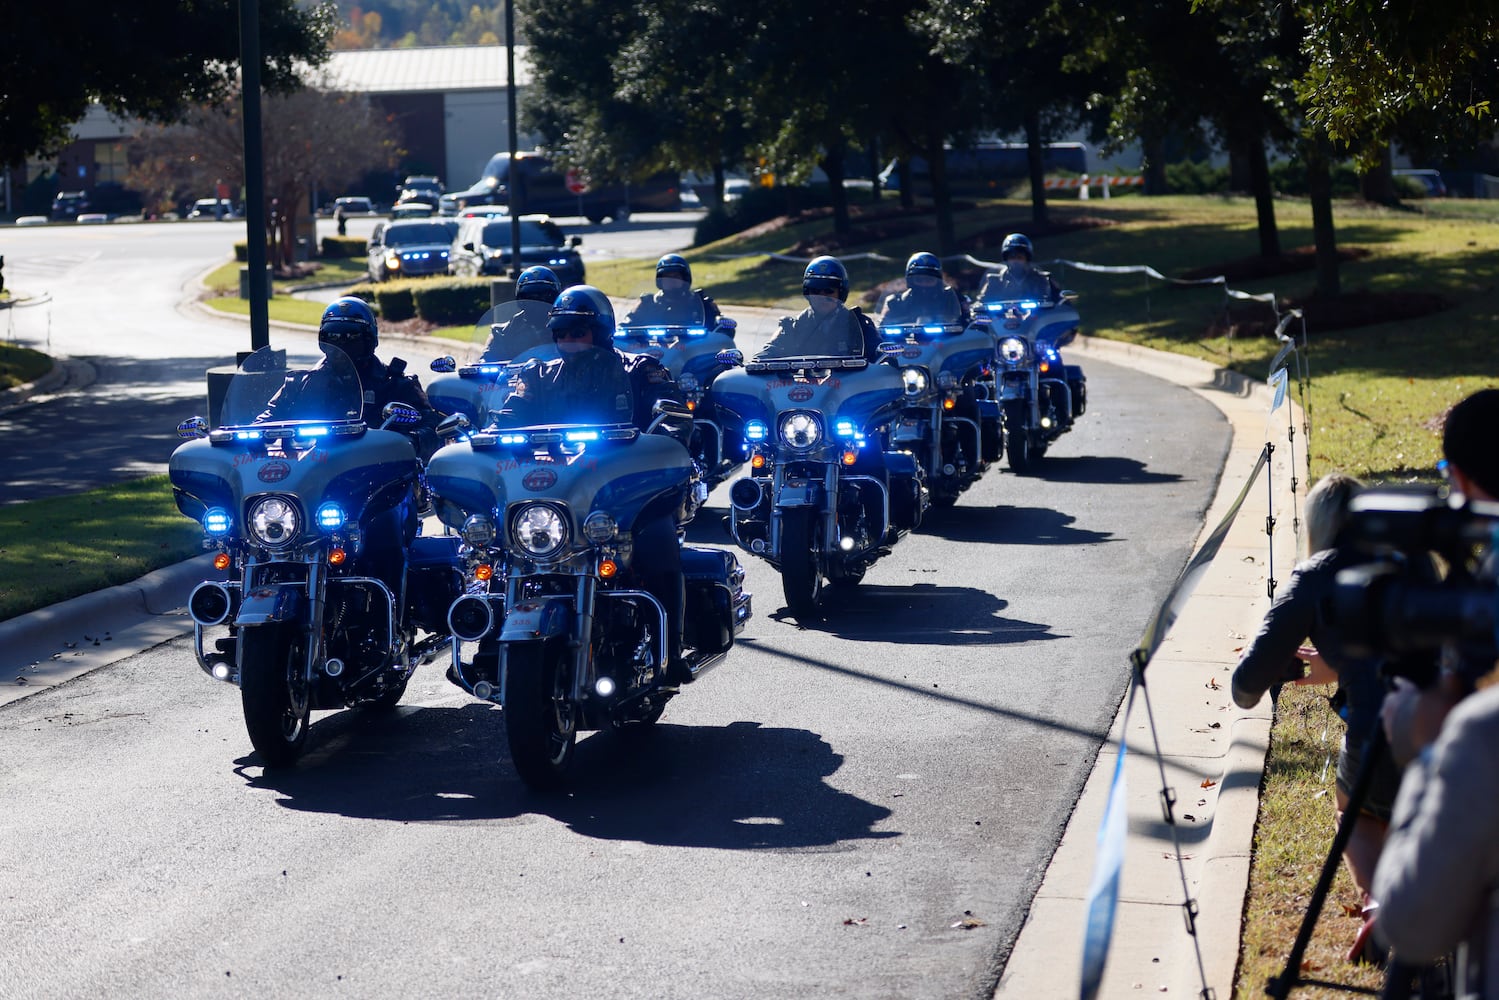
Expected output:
(337, 557)
(850, 457)
(758, 462)
(691, 405)
(1044, 367)
(221, 561)
(948, 404)
(483, 571)
(607, 568)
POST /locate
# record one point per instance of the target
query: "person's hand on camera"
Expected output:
(1317, 670)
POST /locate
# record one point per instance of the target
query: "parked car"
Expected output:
(409, 248)
(539, 188)
(213, 208)
(447, 205)
(1430, 181)
(482, 247)
(68, 205)
(354, 205)
(412, 210)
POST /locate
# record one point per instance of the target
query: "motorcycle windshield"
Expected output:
(659, 318)
(824, 329)
(267, 389)
(515, 332)
(936, 306)
(1001, 291)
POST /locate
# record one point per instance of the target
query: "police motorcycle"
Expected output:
(825, 497)
(950, 419)
(505, 339)
(568, 640)
(1040, 396)
(329, 599)
(674, 331)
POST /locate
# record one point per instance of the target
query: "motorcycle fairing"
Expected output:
(538, 619)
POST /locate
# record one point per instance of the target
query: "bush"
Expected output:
(759, 204)
(343, 246)
(242, 251)
(455, 302)
(1289, 177)
(1189, 177)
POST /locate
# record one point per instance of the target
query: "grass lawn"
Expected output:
(19, 365)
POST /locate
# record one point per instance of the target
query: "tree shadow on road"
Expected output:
(1108, 470)
(737, 787)
(1009, 526)
(923, 614)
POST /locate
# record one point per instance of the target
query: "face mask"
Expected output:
(822, 304)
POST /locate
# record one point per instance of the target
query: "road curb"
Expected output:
(18, 394)
(1216, 783)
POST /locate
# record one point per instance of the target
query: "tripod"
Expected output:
(1400, 977)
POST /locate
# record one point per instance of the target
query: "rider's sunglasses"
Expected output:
(571, 327)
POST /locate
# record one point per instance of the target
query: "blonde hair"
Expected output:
(1326, 509)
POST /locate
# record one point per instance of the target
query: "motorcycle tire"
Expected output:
(269, 656)
(541, 725)
(801, 574)
(1018, 443)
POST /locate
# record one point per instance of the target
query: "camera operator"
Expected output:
(1277, 655)
(1471, 464)
(1439, 876)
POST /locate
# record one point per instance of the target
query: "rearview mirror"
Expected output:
(733, 357)
(192, 428)
(444, 365)
(453, 427)
(399, 415)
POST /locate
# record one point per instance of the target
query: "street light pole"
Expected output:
(514, 167)
(249, 60)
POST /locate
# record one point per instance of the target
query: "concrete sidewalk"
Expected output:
(1212, 752)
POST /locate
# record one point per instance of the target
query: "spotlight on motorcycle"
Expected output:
(333, 667)
(221, 671)
(846, 544)
(1045, 421)
(604, 687)
(483, 690)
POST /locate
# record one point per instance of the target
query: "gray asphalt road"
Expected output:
(862, 808)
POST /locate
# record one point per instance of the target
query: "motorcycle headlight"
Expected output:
(274, 522)
(330, 516)
(478, 530)
(600, 527)
(539, 530)
(217, 522)
(800, 430)
(1012, 350)
(688, 382)
(915, 380)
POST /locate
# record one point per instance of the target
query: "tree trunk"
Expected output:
(1034, 160)
(1239, 176)
(874, 169)
(1264, 197)
(832, 165)
(907, 196)
(1378, 185)
(1319, 188)
(719, 181)
(947, 232)
(1155, 165)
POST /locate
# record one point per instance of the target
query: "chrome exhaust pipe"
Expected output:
(745, 494)
(473, 616)
(210, 603)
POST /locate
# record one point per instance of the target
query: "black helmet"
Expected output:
(538, 284)
(673, 265)
(1016, 243)
(923, 265)
(825, 274)
(349, 324)
(583, 306)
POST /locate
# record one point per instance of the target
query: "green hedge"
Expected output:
(444, 301)
(343, 246)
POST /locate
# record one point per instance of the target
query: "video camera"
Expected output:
(1399, 605)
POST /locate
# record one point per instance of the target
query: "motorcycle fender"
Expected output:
(267, 605)
(1012, 391)
(537, 619)
(800, 495)
(988, 409)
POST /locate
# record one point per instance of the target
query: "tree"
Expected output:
(147, 59)
(314, 138)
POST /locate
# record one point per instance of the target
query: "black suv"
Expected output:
(68, 205)
(425, 189)
(482, 247)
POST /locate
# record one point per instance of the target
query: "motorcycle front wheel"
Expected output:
(271, 660)
(801, 572)
(541, 722)
(1018, 442)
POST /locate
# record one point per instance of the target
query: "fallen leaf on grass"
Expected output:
(1213, 683)
(969, 923)
(856, 921)
(1207, 783)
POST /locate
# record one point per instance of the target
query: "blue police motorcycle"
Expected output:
(1041, 397)
(672, 329)
(330, 599)
(949, 419)
(825, 496)
(505, 339)
(555, 625)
